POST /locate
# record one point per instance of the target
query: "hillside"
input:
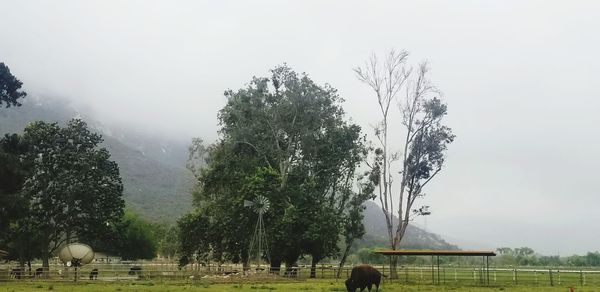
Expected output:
(415, 238)
(153, 170)
(154, 174)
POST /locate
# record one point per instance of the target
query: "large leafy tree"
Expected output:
(73, 188)
(11, 173)
(131, 238)
(166, 236)
(10, 86)
(136, 238)
(283, 137)
(21, 243)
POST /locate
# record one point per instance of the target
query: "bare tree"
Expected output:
(425, 140)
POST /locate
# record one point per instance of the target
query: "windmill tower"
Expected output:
(258, 243)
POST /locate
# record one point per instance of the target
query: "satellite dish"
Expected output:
(76, 254)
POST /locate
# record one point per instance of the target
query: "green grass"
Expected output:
(309, 285)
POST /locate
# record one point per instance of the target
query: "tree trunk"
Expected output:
(245, 266)
(343, 260)
(275, 266)
(393, 267)
(45, 262)
(313, 267)
(291, 266)
(22, 260)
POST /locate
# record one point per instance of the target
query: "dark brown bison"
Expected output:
(363, 276)
(94, 274)
(135, 270)
(16, 273)
(39, 272)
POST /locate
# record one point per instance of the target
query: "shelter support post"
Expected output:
(487, 268)
(438, 269)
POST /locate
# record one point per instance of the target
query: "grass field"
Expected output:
(309, 285)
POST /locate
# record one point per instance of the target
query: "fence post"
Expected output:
(551, 280)
(558, 276)
(516, 278)
(443, 274)
(581, 277)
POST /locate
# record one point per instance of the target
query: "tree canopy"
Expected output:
(70, 187)
(10, 86)
(283, 137)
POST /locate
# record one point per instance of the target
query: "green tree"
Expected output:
(21, 243)
(353, 227)
(166, 236)
(194, 237)
(131, 238)
(137, 238)
(593, 259)
(505, 251)
(283, 137)
(12, 177)
(73, 188)
(10, 86)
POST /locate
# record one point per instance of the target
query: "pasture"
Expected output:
(166, 277)
(308, 285)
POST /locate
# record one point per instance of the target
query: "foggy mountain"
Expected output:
(153, 170)
(415, 237)
(157, 184)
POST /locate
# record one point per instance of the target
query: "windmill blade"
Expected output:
(261, 204)
(248, 203)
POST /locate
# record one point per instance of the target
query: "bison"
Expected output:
(39, 272)
(94, 274)
(363, 276)
(16, 273)
(135, 270)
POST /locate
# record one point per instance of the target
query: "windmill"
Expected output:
(259, 205)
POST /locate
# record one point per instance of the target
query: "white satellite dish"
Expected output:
(76, 255)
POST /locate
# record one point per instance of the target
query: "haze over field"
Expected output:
(519, 79)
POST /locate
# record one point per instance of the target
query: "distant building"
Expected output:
(101, 257)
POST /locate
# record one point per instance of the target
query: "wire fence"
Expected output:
(169, 271)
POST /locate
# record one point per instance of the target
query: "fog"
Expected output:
(519, 78)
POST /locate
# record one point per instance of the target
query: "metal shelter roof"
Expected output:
(426, 252)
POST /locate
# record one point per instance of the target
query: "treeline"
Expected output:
(526, 256)
(506, 257)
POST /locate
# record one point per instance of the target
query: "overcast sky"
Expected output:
(520, 79)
